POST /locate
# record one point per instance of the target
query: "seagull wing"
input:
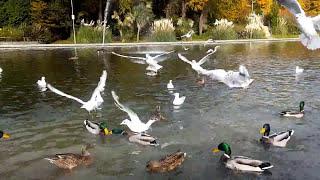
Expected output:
(292, 5)
(63, 94)
(102, 82)
(205, 58)
(130, 57)
(159, 55)
(184, 59)
(316, 22)
(133, 116)
(244, 72)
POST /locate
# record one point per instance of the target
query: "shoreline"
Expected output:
(17, 45)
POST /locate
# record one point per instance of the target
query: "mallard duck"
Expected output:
(156, 115)
(96, 128)
(240, 163)
(296, 114)
(277, 139)
(4, 135)
(71, 160)
(141, 138)
(167, 163)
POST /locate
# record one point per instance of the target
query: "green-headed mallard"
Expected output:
(4, 135)
(156, 115)
(71, 160)
(167, 163)
(297, 114)
(141, 138)
(240, 163)
(97, 128)
(277, 139)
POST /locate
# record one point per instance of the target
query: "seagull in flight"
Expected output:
(94, 102)
(197, 65)
(134, 124)
(188, 35)
(240, 79)
(150, 60)
(308, 25)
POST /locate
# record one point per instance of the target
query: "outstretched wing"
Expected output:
(205, 58)
(133, 116)
(292, 5)
(159, 55)
(184, 59)
(63, 94)
(102, 82)
(130, 57)
(316, 22)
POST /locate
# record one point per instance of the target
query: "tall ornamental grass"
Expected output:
(163, 31)
(223, 30)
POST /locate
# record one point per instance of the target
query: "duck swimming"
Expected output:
(296, 114)
(141, 138)
(167, 163)
(4, 135)
(240, 163)
(156, 115)
(71, 160)
(277, 139)
(97, 128)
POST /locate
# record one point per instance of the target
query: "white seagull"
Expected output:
(134, 124)
(197, 65)
(240, 79)
(188, 35)
(170, 85)
(299, 70)
(178, 100)
(42, 84)
(308, 25)
(94, 102)
(150, 60)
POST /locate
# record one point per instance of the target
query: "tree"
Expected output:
(14, 12)
(142, 15)
(199, 6)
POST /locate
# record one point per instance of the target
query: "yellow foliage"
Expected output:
(233, 10)
(265, 5)
(311, 7)
(197, 5)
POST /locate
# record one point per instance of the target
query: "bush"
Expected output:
(255, 28)
(281, 27)
(163, 31)
(183, 26)
(91, 35)
(223, 30)
(14, 33)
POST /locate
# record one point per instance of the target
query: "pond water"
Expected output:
(43, 124)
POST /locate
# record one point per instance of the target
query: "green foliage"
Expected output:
(163, 36)
(51, 21)
(14, 12)
(12, 33)
(124, 25)
(254, 34)
(222, 33)
(142, 16)
(91, 35)
(183, 26)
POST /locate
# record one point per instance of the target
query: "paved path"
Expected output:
(44, 46)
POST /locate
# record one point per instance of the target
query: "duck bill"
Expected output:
(215, 150)
(262, 130)
(106, 131)
(6, 136)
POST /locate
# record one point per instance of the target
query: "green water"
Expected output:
(42, 124)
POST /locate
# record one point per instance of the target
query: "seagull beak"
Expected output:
(262, 130)
(6, 136)
(215, 150)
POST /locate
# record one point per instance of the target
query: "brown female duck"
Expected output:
(168, 163)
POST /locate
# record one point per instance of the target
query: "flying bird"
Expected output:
(197, 65)
(134, 124)
(151, 61)
(94, 102)
(188, 35)
(308, 25)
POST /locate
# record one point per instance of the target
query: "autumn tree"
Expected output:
(199, 6)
